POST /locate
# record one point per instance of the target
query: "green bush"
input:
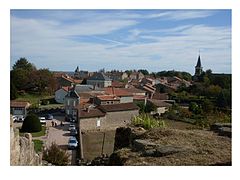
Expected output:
(56, 156)
(38, 144)
(31, 124)
(45, 102)
(146, 121)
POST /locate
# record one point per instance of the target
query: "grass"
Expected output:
(147, 122)
(38, 144)
(36, 134)
(32, 98)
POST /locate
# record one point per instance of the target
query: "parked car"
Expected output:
(18, 118)
(73, 132)
(72, 143)
(71, 126)
(42, 120)
(73, 120)
(49, 117)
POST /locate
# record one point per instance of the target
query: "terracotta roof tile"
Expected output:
(119, 107)
(91, 113)
(19, 104)
(117, 91)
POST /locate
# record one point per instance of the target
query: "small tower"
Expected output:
(77, 73)
(198, 67)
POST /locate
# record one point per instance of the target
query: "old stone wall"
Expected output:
(22, 151)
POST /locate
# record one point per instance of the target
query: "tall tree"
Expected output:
(23, 63)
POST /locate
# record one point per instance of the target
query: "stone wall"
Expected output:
(112, 120)
(22, 151)
(120, 118)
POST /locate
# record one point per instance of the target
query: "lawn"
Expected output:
(32, 98)
(38, 144)
(36, 134)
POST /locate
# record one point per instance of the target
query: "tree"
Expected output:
(207, 106)
(144, 71)
(56, 156)
(23, 63)
(195, 108)
(13, 91)
(31, 124)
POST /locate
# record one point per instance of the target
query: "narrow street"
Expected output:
(60, 135)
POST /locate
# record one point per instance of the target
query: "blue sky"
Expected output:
(155, 40)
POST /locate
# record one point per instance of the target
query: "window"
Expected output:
(98, 123)
(68, 102)
(74, 103)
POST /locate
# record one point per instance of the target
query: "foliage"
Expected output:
(13, 91)
(22, 63)
(31, 124)
(195, 108)
(146, 121)
(38, 145)
(146, 108)
(25, 76)
(144, 71)
(56, 156)
(184, 75)
(40, 133)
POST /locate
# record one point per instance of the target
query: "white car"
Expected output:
(72, 143)
(42, 120)
(71, 126)
(18, 118)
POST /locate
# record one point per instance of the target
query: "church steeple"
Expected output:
(77, 73)
(198, 67)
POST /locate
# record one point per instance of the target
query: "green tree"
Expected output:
(207, 106)
(195, 108)
(13, 91)
(23, 63)
(56, 156)
(31, 124)
(144, 71)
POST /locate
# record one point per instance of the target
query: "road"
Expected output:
(58, 134)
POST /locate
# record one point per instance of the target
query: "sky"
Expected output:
(155, 40)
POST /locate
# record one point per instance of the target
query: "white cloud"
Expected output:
(47, 43)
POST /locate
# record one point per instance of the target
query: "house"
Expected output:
(122, 93)
(160, 96)
(107, 116)
(99, 80)
(91, 118)
(106, 99)
(161, 106)
(72, 100)
(61, 93)
(139, 95)
(119, 114)
(19, 108)
(117, 76)
(65, 80)
(148, 81)
(136, 75)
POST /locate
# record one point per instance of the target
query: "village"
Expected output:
(84, 112)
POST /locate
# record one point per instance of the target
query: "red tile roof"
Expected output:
(108, 98)
(135, 90)
(159, 103)
(119, 107)
(91, 113)
(22, 104)
(117, 91)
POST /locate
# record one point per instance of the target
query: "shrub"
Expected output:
(45, 102)
(31, 124)
(56, 156)
(38, 144)
(146, 121)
